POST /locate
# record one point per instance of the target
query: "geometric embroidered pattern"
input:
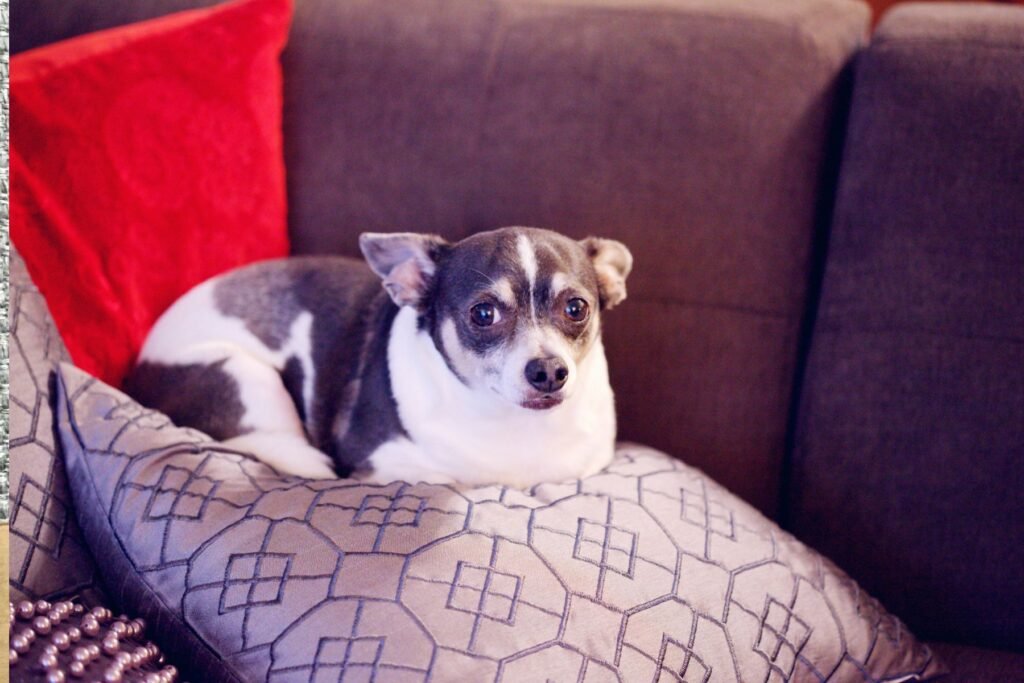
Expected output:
(180, 494)
(781, 637)
(485, 592)
(38, 517)
(648, 571)
(254, 579)
(356, 658)
(384, 511)
(605, 546)
(677, 662)
(709, 515)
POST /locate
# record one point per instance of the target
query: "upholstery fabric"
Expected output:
(48, 558)
(647, 571)
(696, 131)
(39, 22)
(908, 464)
(979, 665)
(144, 160)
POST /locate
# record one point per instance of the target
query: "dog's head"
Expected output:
(513, 311)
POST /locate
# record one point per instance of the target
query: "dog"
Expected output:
(478, 362)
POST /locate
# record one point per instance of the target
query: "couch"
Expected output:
(828, 230)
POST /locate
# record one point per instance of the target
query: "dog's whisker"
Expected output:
(487, 277)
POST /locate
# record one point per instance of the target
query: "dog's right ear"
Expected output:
(405, 261)
(612, 263)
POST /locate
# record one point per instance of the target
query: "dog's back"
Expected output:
(297, 316)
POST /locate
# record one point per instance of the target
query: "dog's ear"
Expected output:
(612, 263)
(405, 261)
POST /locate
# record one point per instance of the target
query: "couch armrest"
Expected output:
(48, 557)
(907, 467)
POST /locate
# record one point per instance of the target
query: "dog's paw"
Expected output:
(286, 453)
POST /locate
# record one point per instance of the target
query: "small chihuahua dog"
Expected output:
(479, 362)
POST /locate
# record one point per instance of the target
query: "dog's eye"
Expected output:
(576, 309)
(484, 315)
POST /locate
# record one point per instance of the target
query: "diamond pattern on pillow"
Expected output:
(48, 558)
(647, 571)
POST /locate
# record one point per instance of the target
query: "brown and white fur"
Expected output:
(478, 362)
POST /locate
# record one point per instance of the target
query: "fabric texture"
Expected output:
(908, 466)
(694, 131)
(648, 570)
(41, 22)
(48, 558)
(145, 160)
(980, 665)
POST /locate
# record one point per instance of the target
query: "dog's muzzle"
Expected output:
(547, 376)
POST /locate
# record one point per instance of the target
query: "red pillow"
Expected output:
(144, 160)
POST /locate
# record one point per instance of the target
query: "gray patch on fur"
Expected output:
(351, 409)
(244, 295)
(211, 404)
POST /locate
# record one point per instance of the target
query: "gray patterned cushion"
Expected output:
(648, 571)
(48, 557)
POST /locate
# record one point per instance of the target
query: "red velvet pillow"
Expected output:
(145, 159)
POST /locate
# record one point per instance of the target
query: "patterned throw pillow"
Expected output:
(48, 558)
(146, 159)
(647, 571)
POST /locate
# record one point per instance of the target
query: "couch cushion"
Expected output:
(38, 22)
(695, 131)
(907, 468)
(648, 568)
(979, 665)
(48, 558)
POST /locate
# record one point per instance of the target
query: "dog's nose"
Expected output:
(547, 374)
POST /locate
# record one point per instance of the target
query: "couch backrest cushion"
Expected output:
(909, 461)
(39, 22)
(693, 130)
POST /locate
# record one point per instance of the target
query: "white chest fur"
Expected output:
(457, 434)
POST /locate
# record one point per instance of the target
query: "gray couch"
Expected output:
(829, 236)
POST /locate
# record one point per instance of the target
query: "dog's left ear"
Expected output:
(405, 261)
(612, 263)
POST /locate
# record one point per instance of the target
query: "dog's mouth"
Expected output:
(541, 402)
